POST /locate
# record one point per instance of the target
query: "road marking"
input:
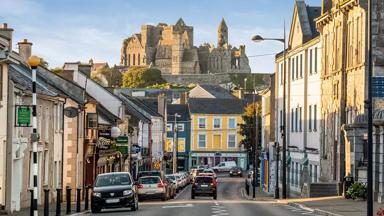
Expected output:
(216, 203)
(179, 206)
(182, 191)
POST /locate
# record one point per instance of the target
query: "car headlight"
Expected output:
(97, 194)
(127, 192)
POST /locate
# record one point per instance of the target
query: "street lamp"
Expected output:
(256, 39)
(34, 61)
(175, 146)
(368, 104)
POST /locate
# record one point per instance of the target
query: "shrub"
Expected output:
(358, 190)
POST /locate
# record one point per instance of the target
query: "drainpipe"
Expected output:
(62, 148)
(9, 160)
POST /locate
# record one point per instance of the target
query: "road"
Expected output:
(231, 200)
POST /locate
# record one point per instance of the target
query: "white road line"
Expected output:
(182, 191)
(179, 206)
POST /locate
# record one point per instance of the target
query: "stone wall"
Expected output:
(186, 79)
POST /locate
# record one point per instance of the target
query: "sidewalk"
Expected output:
(260, 195)
(52, 210)
(334, 206)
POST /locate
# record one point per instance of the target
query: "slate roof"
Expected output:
(140, 103)
(313, 13)
(132, 110)
(217, 91)
(215, 106)
(181, 109)
(22, 77)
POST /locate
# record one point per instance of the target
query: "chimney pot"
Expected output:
(25, 40)
(5, 25)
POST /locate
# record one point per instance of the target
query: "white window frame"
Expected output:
(205, 122)
(213, 122)
(169, 127)
(229, 120)
(198, 140)
(180, 127)
(231, 134)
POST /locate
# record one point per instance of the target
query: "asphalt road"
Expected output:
(230, 201)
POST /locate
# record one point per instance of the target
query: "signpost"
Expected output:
(122, 144)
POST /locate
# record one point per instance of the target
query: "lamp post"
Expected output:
(34, 61)
(175, 146)
(368, 104)
(258, 38)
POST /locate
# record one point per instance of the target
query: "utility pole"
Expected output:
(369, 111)
(277, 191)
(255, 141)
(34, 61)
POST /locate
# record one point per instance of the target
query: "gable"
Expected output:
(295, 34)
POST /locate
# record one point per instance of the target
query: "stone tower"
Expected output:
(222, 34)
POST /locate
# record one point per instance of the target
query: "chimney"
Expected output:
(25, 49)
(6, 34)
(161, 103)
(184, 98)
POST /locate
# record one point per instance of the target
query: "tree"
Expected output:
(247, 128)
(141, 77)
(57, 70)
(113, 76)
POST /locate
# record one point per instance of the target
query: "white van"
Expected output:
(224, 166)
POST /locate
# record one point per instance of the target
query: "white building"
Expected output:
(302, 97)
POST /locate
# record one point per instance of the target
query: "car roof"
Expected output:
(149, 177)
(112, 173)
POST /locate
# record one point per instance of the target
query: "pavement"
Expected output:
(52, 210)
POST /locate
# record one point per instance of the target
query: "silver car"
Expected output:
(152, 187)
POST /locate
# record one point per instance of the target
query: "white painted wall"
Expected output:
(3, 133)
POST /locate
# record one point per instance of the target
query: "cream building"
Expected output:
(303, 98)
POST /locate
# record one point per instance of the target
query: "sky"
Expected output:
(78, 30)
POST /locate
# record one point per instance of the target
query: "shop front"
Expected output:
(213, 158)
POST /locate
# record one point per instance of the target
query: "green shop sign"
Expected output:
(23, 116)
(122, 144)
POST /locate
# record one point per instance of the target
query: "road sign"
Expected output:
(122, 141)
(23, 116)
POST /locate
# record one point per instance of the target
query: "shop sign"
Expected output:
(122, 141)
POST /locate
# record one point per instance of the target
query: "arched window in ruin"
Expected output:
(133, 60)
(138, 59)
(129, 60)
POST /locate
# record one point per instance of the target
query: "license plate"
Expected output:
(204, 186)
(151, 192)
(112, 200)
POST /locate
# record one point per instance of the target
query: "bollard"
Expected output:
(86, 197)
(78, 190)
(58, 201)
(31, 209)
(68, 200)
(46, 201)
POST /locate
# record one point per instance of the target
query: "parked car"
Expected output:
(204, 186)
(114, 190)
(208, 172)
(160, 174)
(151, 187)
(173, 187)
(172, 179)
(236, 171)
(224, 166)
(179, 180)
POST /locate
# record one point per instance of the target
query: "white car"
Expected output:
(173, 178)
(150, 187)
(224, 166)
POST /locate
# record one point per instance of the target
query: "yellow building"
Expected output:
(215, 131)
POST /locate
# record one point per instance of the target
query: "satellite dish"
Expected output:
(70, 112)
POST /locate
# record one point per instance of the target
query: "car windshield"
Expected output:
(112, 180)
(149, 180)
(204, 180)
(171, 177)
(149, 174)
(208, 171)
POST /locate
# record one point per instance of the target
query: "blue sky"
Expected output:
(73, 30)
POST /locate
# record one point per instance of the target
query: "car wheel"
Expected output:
(95, 209)
(215, 196)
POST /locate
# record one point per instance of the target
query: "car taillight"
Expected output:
(160, 185)
(140, 186)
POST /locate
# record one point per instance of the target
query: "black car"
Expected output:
(204, 186)
(114, 190)
(236, 171)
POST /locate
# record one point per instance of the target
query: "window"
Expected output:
(138, 59)
(292, 122)
(46, 167)
(129, 59)
(314, 117)
(216, 123)
(202, 141)
(202, 123)
(300, 119)
(293, 68)
(310, 61)
(133, 60)
(297, 119)
(281, 74)
(297, 67)
(310, 118)
(169, 127)
(92, 120)
(281, 118)
(315, 174)
(1, 82)
(231, 141)
(232, 123)
(301, 65)
(180, 127)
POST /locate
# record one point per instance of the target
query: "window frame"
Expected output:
(92, 114)
(178, 127)
(213, 121)
(205, 141)
(235, 141)
(205, 122)
(235, 123)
